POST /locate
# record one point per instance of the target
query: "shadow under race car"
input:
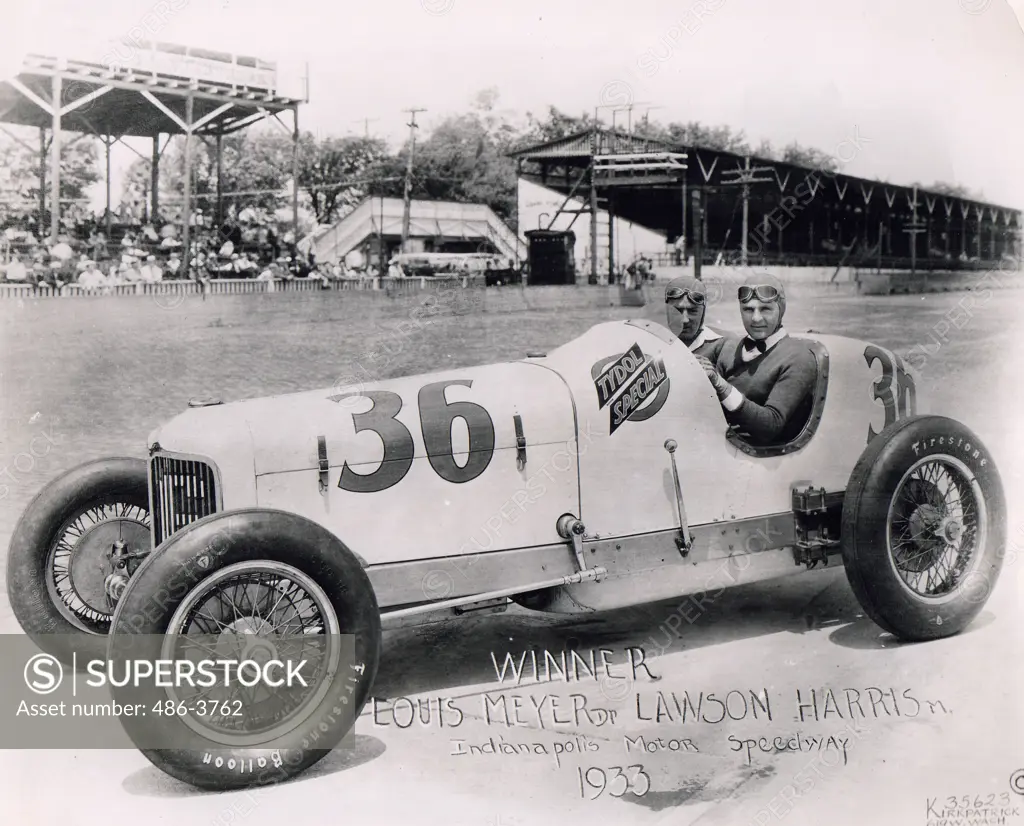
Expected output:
(598, 476)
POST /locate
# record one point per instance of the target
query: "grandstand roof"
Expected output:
(586, 143)
(229, 92)
(655, 200)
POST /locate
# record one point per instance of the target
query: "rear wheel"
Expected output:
(924, 528)
(73, 552)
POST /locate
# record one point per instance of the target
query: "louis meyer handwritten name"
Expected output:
(674, 706)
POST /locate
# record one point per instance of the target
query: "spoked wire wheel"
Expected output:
(259, 612)
(252, 585)
(79, 561)
(936, 526)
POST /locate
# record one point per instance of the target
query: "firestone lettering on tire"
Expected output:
(969, 450)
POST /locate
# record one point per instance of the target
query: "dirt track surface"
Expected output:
(97, 375)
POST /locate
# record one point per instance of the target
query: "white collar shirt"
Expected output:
(703, 337)
(751, 353)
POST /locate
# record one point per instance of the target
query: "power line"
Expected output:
(314, 187)
(744, 177)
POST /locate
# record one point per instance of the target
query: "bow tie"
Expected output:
(750, 344)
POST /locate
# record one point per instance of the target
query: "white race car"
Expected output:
(598, 476)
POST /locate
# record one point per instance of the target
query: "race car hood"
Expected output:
(211, 432)
(283, 433)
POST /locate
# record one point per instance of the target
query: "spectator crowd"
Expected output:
(246, 245)
(249, 244)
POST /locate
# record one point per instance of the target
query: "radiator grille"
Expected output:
(182, 491)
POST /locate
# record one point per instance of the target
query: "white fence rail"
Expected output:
(239, 286)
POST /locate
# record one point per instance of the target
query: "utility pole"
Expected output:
(682, 234)
(913, 235)
(745, 176)
(366, 125)
(55, 162)
(407, 201)
(698, 231)
(746, 211)
(647, 118)
(43, 148)
(913, 228)
(629, 113)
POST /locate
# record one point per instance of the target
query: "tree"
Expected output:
(554, 125)
(254, 162)
(337, 173)
(259, 162)
(766, 150)
(953, 190)
(19, 172)
(258, 166)
(464, 159)
(500, 125)
(722, 138)
(136, 181)
(557, 124)
(808, 157)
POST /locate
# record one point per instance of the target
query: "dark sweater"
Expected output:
(777, 387)
(712, 349)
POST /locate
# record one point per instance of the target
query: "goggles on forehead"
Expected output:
(763, 293)
(678, 293)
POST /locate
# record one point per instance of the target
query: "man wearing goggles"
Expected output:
(685, 306)
(765, 382)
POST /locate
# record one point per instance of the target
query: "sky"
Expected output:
(901, 90)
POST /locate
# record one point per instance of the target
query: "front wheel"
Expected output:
(924, 528)
(254, 586)
(73, 552)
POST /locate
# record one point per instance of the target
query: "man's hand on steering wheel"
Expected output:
(709, 369)
(722, 387)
